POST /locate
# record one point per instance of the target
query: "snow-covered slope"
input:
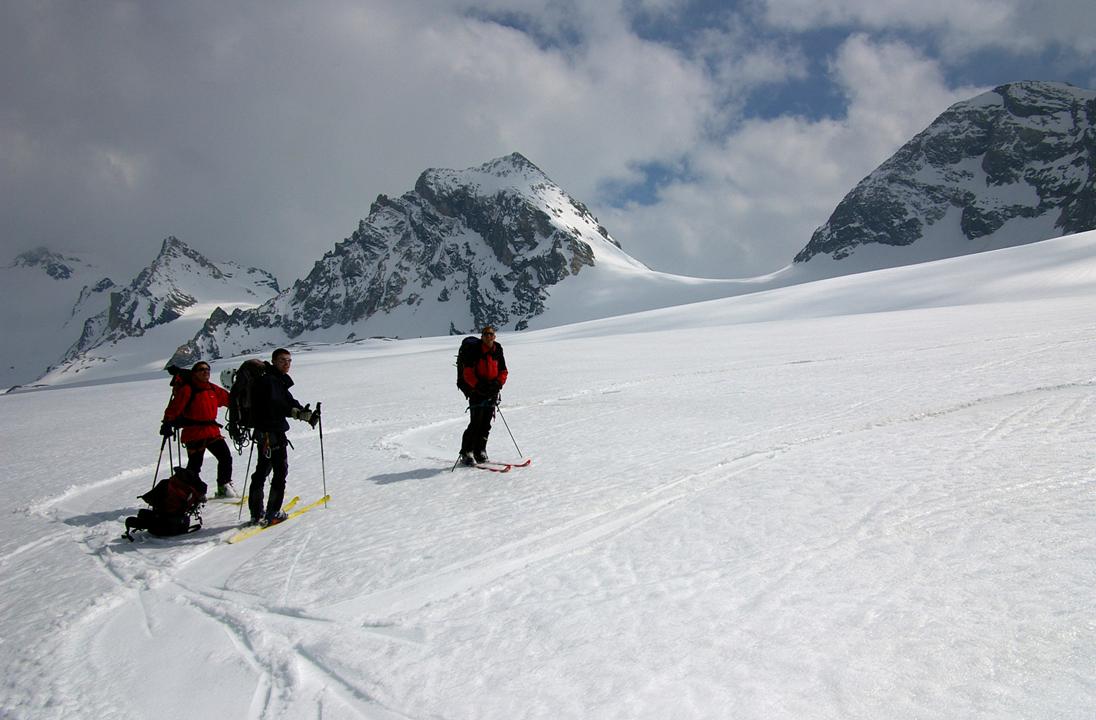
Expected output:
(45, 299)
(497, 243)
(1011, 166)
(868, 497)
(140, 326)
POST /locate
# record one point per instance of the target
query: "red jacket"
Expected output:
(489, 366)
(193, 407)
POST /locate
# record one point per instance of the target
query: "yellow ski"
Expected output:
(256, 529)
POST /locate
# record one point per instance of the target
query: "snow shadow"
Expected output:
(93, 519)
(420, 474)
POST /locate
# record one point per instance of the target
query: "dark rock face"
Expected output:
(1023, 151)
(463, 249)
(158, 295)
(55, 265)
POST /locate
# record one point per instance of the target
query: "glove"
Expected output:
(167, 429)
(304, 414)
(491, 387)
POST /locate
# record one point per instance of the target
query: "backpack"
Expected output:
(180, 377)
(241, 383)
(467, 355)
(173, 502)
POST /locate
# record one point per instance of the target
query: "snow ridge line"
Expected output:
(453, 585)
(470, 573)
(35, 545)
(43, 506)
(985, 400)
(237, 629)
(273, 655)
(346, 691)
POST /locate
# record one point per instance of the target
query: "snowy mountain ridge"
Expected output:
(499, 243)
(163, 291)
(172, 296)
(46, 296)
(63, 318)
(503, 243)
(864, 497)
(1011, 166)
(54, 264)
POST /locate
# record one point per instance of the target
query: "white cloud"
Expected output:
(1021, 26)
(262, 131)
(276, 130)
(739, 61)
(802, 15)
(759, 193)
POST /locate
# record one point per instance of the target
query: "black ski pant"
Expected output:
(481, 412)
(195, 453)
(273, 456)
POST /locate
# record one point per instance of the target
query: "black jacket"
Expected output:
(273, 402)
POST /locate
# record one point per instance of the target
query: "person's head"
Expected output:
(488, 335)
(281, 359)
(200, 370)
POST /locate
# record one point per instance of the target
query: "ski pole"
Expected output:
(520, 454)
(457, 461)
(240, 514)
(171, 451)
(323, 465)
(158, 459)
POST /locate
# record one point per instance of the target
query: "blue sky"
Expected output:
(710, 138)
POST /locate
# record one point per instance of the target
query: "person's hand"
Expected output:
(301, 413)
(166, 429)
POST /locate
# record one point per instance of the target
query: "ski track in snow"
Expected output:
(288, 671)
(285, 655)
(475, 573)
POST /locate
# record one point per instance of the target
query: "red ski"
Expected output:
(494, 466)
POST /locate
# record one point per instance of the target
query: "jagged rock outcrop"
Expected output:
(1010, 166)
(45, 297)
(177, 279)
(462, 249)
(56, 265)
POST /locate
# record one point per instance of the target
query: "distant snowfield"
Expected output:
(866, 497)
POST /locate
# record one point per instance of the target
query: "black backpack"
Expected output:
(467, 355)
(173, 502)
(241, 386)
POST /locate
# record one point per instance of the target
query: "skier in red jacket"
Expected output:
(193, 407)
(484, 374)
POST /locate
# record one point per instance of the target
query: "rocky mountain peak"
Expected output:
(463, 248)
(1012, 165)
(56, 265)
(175, 281)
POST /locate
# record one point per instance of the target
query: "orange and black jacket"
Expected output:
(485, 368)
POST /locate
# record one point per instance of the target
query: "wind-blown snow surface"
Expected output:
(867, 497)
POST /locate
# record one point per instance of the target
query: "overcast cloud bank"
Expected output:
(710, 141)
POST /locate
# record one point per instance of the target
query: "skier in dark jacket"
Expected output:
(273, 403)
(193, 407)
(484, 374)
